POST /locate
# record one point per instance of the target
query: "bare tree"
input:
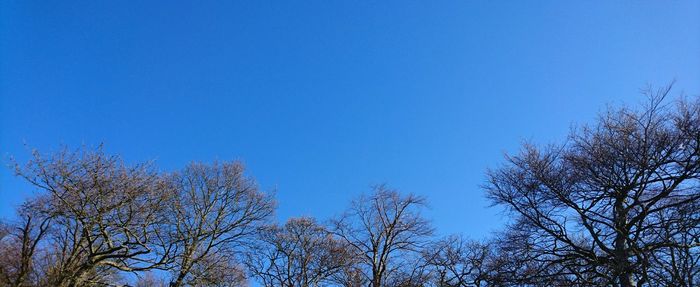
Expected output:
(149, 279)
(385, 231)
(103, 216)
(301, 253)
(457, 262)
(598, 207)
(215, 210)
(218, 270)
(678, 263)
(350, 275)
(19, 244)
(512, 262)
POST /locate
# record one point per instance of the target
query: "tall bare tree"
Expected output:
(599, 206)
(385, 231)
(215, 210)
(104, 216)
(301, 253)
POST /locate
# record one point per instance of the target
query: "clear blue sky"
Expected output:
(323, 98)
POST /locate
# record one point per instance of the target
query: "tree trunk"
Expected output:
(622, 264)
(178, 280)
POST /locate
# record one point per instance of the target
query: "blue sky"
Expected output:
(322, 99)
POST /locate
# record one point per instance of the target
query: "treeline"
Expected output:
(616, 204)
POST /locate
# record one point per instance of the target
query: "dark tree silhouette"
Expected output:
(457, 262)
(602, 207)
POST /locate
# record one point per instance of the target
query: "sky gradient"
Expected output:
(321, 99)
